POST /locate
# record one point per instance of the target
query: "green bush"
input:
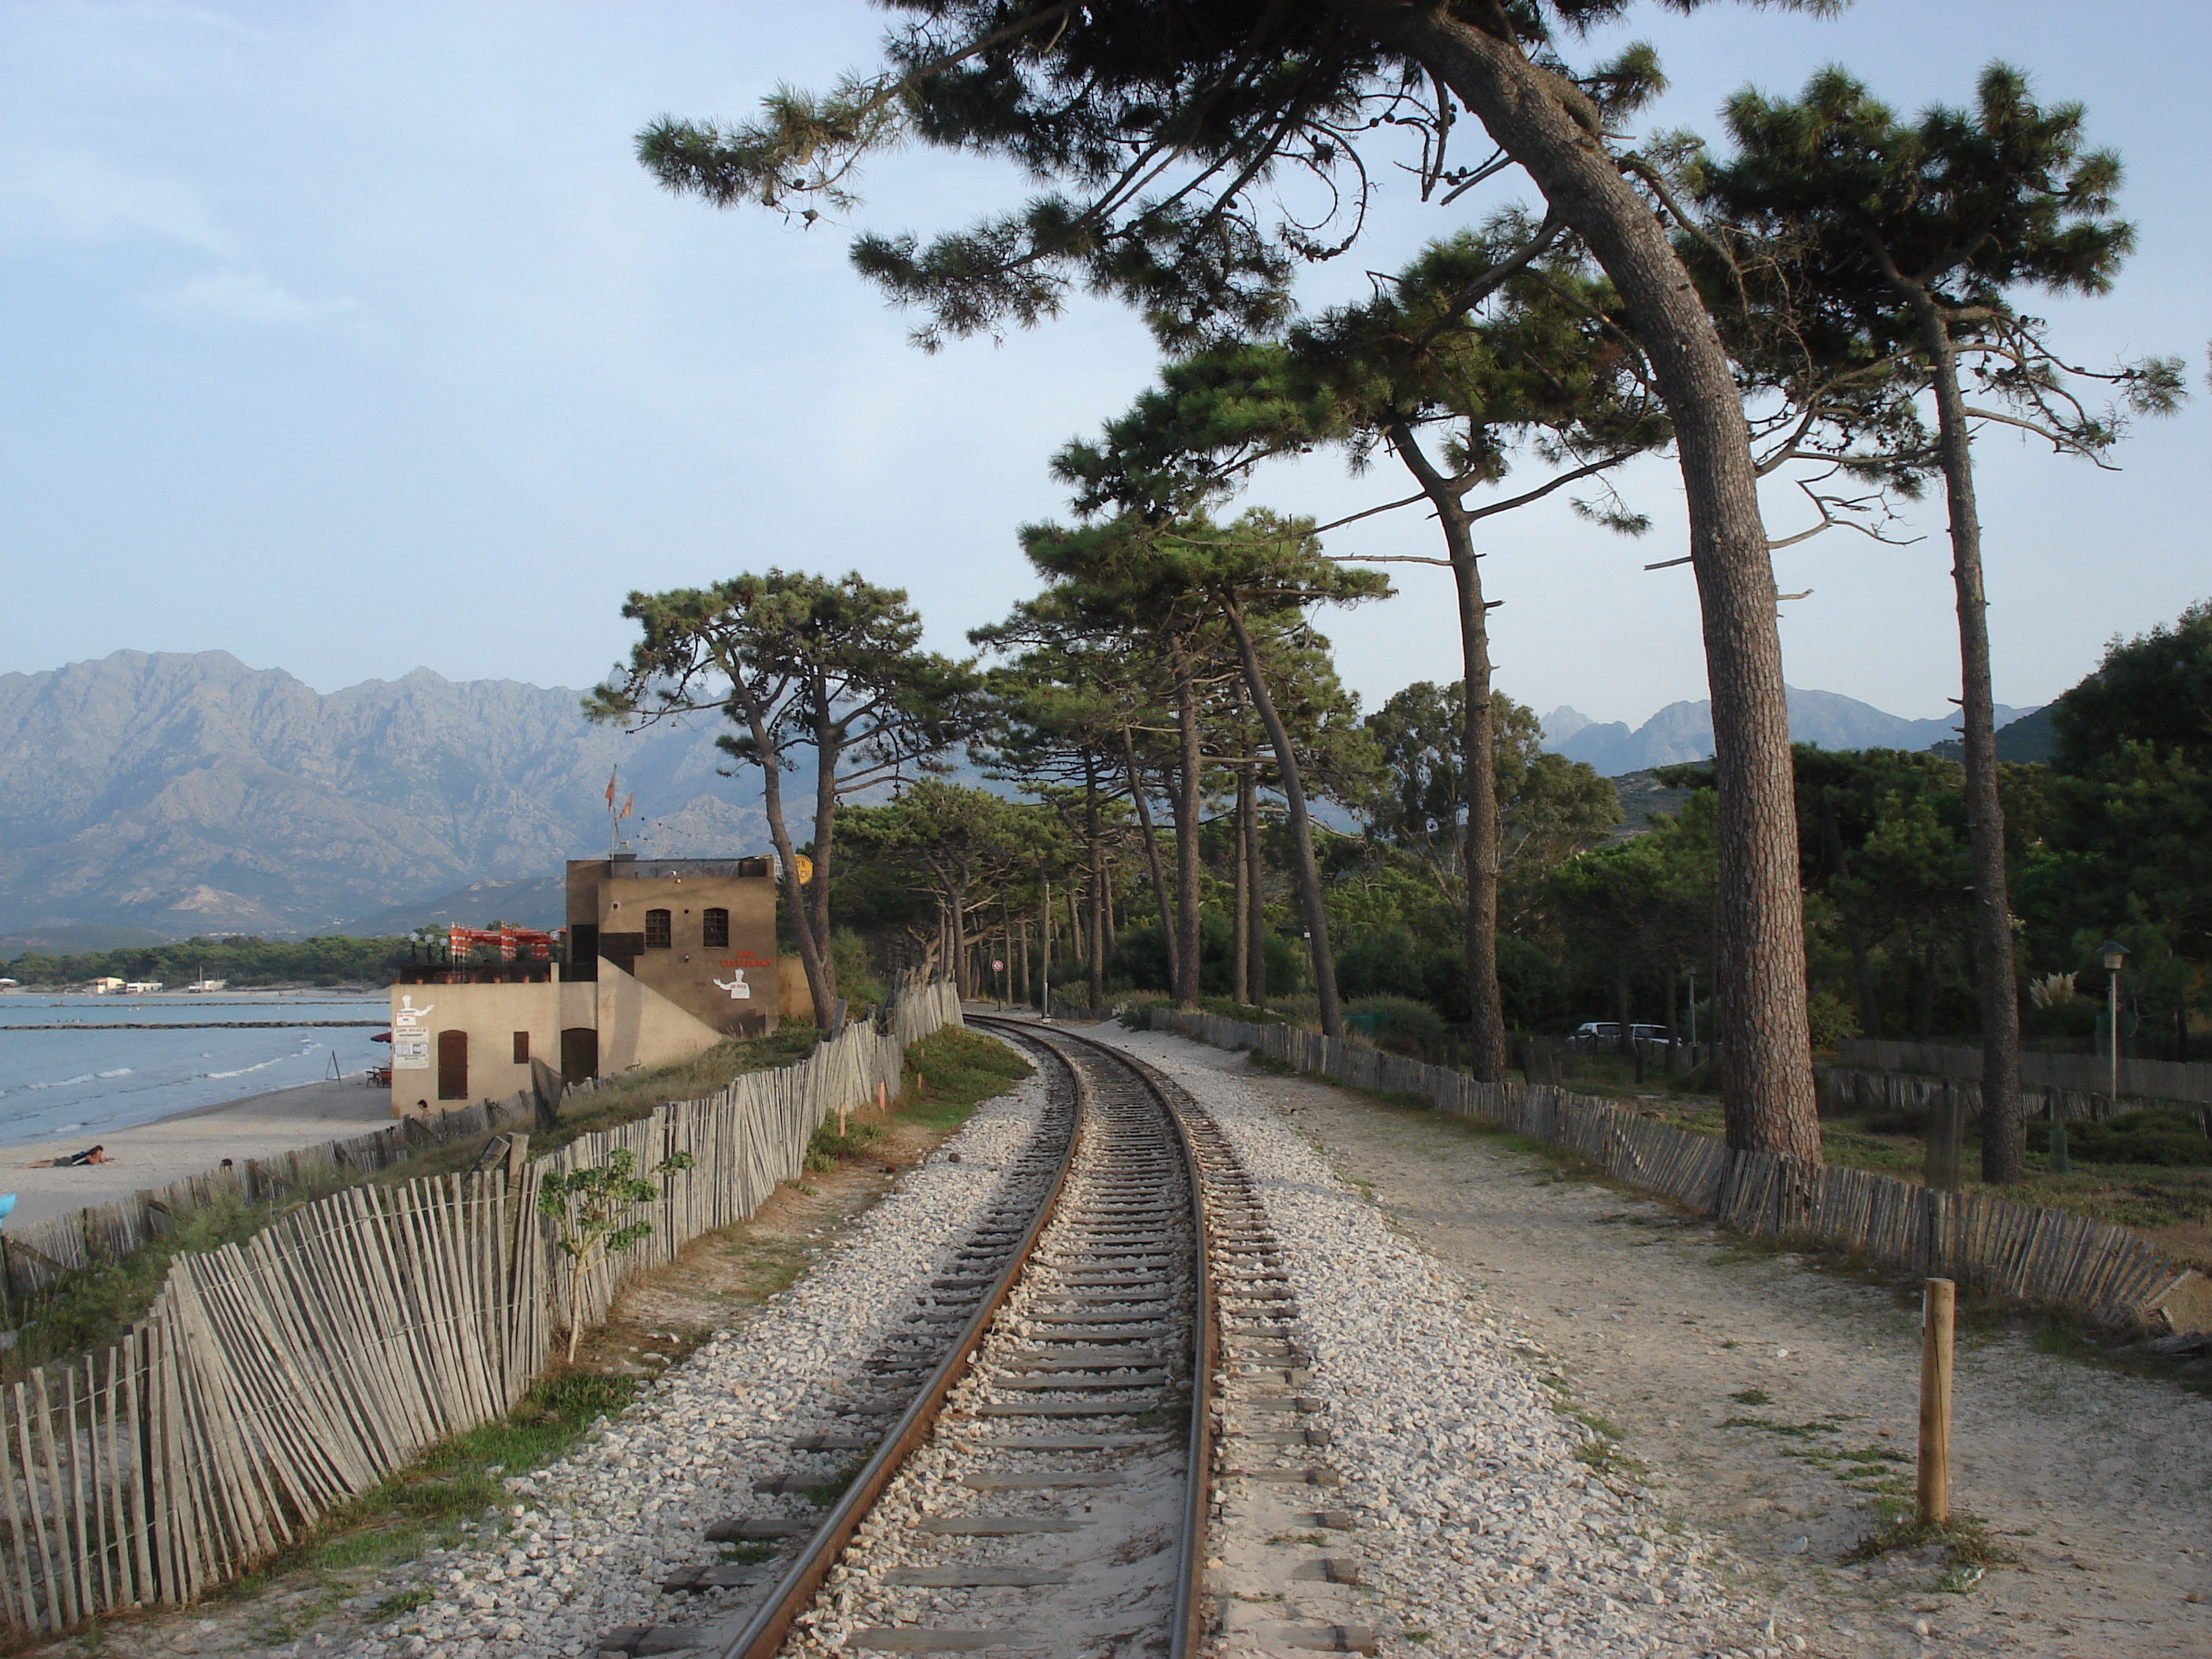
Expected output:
(1831, 1018)
(1396, 1023)
(2153, 1135)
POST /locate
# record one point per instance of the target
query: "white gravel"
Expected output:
(1478, 1523)
(587, 1539)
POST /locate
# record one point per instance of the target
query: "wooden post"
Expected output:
(1938, 1309)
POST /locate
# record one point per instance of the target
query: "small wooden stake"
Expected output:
(1938, 1308)
(883, 1098)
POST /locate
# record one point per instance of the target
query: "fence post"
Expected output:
(1938, 1316)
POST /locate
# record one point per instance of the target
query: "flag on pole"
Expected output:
(610, 788)
(629, 803)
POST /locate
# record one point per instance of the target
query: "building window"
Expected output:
(522, 1048)
(660, 930)
(713, 927)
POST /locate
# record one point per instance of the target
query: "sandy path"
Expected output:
(153, 1155)
(2101, 1484)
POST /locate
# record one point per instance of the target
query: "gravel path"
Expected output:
(587, 1538)
(1773, 1405)
(1479, 1525)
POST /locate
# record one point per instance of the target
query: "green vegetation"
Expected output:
(586, 1207)
(951, 1072)
(1964, 1539)
(244, 963)
(446, 1491)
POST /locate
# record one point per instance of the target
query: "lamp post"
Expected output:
(2115, 955)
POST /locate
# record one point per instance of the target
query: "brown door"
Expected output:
(579, 1054)
(453, 1065)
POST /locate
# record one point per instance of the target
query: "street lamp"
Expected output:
(2115, 955)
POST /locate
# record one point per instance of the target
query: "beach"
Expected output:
(153, 1155)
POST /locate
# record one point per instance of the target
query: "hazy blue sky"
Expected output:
(350, 338)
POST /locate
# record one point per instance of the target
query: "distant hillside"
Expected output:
(542, 901)
(191, 794)
(2028, 739)
(1684, 732)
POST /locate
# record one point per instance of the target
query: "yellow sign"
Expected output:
(803, 867)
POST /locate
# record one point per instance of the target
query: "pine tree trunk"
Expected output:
(1294, 798)
(2003, 1154)
(1767, 1057)
(1240, 971)
(1255, 886)
(1189, 775)
(820, 989)
(828, 751)
(1099, 898)
(1151, 852)
(1482, 852)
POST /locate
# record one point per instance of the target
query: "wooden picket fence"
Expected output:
(2152, 1080)
(1849, 1089)
(2025, 1252)
(275, 1379)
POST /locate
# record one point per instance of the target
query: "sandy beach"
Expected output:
(170, 1148)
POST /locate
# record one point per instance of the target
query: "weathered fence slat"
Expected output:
(271, 1380)
(2025, 1252)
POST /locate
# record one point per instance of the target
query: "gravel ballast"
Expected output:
(1486, 1523)
(586, 1540)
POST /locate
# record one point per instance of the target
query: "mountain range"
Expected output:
(189, 793)
(1684, 732)
(151, 794)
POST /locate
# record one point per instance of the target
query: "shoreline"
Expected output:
(189, 1142)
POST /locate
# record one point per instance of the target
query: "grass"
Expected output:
(1964, 1539)
(448, 1488)
(953, 1071)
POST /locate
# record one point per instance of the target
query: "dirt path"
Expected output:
(1775, 1405)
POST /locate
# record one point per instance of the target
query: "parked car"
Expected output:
(1603, 1036)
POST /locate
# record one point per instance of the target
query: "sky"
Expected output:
(350, 338)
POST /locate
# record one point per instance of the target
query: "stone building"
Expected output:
(662, 959)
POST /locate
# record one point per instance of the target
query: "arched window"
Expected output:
(713, 927)
(660, 930)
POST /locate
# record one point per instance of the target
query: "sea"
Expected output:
(87, 1082)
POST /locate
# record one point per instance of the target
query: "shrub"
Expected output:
(2154, 1135)
(1397, 1023)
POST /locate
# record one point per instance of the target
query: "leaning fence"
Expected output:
(2144, 1080)
(1849, 1089)
(2024, 1252)
(275, 1379)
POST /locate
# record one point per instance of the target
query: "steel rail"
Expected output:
(1188, 1629)
(764, 1632)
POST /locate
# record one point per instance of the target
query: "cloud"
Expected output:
(56, 196)
(247, 296)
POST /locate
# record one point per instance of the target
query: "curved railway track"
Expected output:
(1117, 1329)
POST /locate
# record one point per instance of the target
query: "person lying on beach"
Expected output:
(73, 1160)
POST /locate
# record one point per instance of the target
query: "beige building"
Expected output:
(664, 959)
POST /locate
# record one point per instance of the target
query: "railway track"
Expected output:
(1041, 1461)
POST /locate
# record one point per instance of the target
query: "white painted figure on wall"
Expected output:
(736, 986)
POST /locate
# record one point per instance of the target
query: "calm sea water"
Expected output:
(89, 1082)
